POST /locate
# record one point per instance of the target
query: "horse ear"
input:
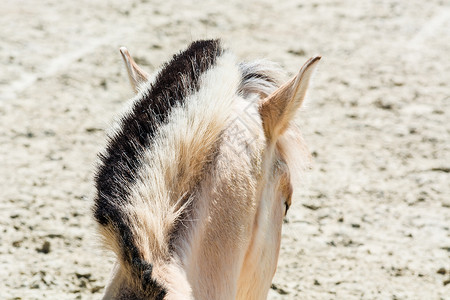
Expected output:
(136, 75)
(279, 108)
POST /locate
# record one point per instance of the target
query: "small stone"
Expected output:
(383, 104)
(92, 129)
(443, 169)
(397, 81)
(83, 275)
(54, 235)
(445, 203)
(103, 84)
(96, 288)
(412, 130)
(83, 284)
(45, 248)
(34, 285)
(441, 271)
(49, 133)
(311, 206)
(278, 289)
(297, 52)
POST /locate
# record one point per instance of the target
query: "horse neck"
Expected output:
(218, 229)
(215, 247)
(175, 280)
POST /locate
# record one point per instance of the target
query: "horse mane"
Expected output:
(162, 147)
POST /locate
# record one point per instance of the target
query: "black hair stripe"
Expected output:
(120, 163)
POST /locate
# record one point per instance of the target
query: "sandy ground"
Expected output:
(371, 220)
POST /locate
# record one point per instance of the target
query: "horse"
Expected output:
(196, 177)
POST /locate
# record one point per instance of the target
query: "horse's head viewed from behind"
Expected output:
(196, 176)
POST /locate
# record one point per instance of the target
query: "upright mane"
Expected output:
(177, 79)
(161, 149)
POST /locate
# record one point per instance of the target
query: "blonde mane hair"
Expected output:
(174, 166)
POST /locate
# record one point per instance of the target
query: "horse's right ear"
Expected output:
(136, 75)
(279, 108)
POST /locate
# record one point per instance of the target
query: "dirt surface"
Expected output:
(371, 219)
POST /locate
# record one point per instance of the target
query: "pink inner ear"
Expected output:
(280, 107)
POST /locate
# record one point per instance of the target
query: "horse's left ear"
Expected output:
(136, 75)
(279, 108)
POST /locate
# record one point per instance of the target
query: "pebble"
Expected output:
(83, 275)
(441, 271)
(278, 289)
(96, 289)
(45, 248)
